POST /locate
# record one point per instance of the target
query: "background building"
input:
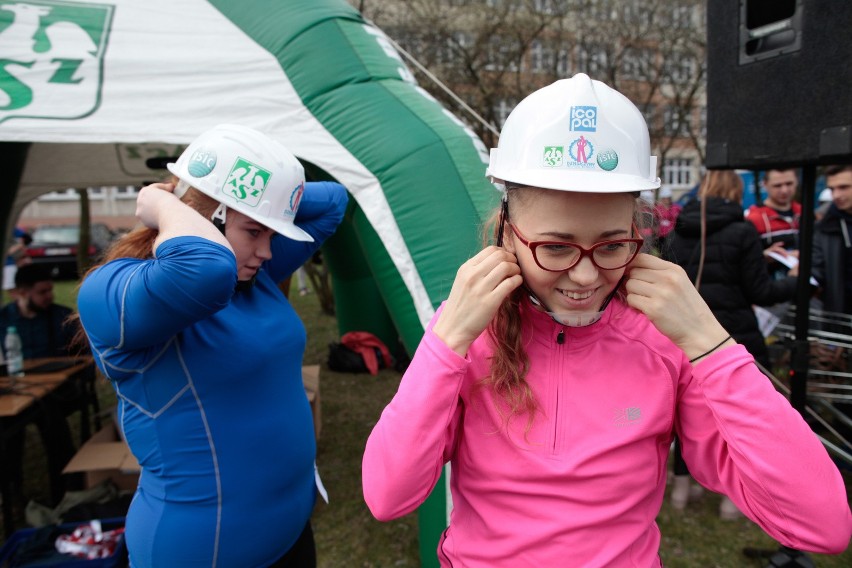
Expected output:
(114, 206)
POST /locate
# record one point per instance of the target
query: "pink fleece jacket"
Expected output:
(583, 486)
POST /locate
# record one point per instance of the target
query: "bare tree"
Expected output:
(481, 49)
(492, 53)
(653, 51)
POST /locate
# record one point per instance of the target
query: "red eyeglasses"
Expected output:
(558, 256)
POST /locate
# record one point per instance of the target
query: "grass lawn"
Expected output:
(346, 533)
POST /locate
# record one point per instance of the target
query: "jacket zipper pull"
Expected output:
(560, 337)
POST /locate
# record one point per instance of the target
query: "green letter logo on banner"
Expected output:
(51, 58)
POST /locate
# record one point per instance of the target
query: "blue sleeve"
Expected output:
(132, 303)
(320, 212)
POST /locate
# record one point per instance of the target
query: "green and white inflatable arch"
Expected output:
(311, 73)
(88, 90)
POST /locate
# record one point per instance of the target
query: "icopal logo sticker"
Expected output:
(584, 118)
(51, 58)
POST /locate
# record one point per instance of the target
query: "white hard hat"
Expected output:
(575, 135)
(248, 172)
(665, 191)
(825, 195)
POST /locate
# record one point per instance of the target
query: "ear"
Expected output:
(508, 239)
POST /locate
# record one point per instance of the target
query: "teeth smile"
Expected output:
(577, 295)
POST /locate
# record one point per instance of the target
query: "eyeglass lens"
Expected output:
(607, 255)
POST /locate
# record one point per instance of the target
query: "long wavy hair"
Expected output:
(722, 183)
(509, 360)
(138, 243)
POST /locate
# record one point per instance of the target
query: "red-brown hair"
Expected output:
(139, 243)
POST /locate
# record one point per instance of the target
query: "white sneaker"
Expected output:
(728, 511)
(680, 491)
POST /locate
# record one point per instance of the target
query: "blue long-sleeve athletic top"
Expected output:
(210, 394)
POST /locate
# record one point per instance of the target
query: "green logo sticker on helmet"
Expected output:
(201, 162)
(246, 182)
(608, 159)
(553, 156)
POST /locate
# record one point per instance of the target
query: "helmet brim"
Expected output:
(583, 182)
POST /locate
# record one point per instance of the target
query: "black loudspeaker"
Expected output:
(779, 83)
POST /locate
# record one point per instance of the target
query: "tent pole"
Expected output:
(13, 156)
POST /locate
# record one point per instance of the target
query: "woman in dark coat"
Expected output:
(732, 277)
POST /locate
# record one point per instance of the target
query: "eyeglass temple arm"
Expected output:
(504, 215)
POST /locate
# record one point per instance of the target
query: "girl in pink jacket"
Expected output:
(563, 362)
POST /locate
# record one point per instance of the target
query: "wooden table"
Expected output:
(19, 408)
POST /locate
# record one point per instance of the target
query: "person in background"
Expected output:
(45, 332)
(41, 323)
(832, 247)
(15, 256)
(564, 360)
(648, 218)
(302, 281)
(665, 213)
(186, 320)
(832, 269)
(823, 203)
(777, 219)
(729, 271)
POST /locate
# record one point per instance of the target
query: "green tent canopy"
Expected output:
(92, 90)
(89, 91)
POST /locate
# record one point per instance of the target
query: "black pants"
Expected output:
(679, 465)
(58, 446)
(302, 554)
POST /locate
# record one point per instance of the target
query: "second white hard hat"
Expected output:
(248, 172)
(575, 135)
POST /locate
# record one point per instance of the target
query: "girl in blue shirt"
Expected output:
(186, 320)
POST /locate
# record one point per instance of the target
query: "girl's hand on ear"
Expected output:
(481, 285)
(662, 291)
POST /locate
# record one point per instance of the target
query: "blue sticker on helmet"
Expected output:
(584, 119)
(201, 162)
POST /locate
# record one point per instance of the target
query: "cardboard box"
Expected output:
(106, 456)
(311, 381)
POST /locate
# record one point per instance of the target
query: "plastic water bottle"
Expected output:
(14, 355)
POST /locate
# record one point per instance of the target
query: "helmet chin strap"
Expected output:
(181, 188)
(576, 319)
(219, 218)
